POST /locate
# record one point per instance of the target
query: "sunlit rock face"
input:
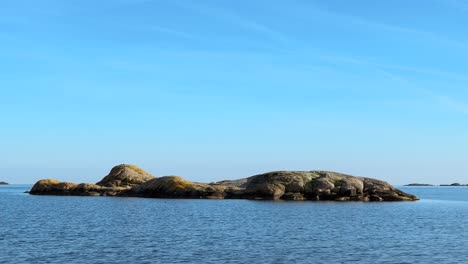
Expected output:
(125, 175)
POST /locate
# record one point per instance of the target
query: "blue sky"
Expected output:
(213, 90)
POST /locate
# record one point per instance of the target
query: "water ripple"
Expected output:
(50, 229)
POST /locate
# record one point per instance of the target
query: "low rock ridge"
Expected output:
(419, 184)
(443, 185)
(455, 184)
(3, 183)
(131, 181)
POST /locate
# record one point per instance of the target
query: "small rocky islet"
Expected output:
(455, 185)
(442, 185)
(131, 181)
(418, 185)
(3, 183)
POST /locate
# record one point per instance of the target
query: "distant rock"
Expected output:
(419, 184)
(3, 183)
(125, 175)
(454, 184)
(128, 180)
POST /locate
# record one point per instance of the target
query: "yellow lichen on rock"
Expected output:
(125, 175)
(44, 184)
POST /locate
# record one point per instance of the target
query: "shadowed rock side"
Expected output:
(177, 187)
(283, 185)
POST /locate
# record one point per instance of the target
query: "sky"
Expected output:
(217, 89)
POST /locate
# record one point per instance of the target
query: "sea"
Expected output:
(57, 229)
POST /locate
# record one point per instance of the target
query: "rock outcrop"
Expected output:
(51, 186)
(321, 186)
(3, 183)
(128, 180)
(120, 179)
(54, 187)
(125, 175)
(177, 187)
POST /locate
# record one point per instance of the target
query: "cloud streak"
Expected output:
(413, 32)
(444, 100)
(370, 63)
(238, 20)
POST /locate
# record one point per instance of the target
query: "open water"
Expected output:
(55, 229)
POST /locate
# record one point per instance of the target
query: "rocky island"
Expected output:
(131, 181)
(3, 183)
(454, 184)
(419, 184)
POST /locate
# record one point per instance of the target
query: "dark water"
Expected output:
(53, 229)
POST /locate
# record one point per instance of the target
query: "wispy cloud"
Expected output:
(415, 33)
(170, 31)
(372, 63)
(444, 100)
(133, 2)
(238, 20)
(158, 29)
(449, 102)
(459, 5)
(426, 71)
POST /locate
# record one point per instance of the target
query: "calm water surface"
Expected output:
(54, 229)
